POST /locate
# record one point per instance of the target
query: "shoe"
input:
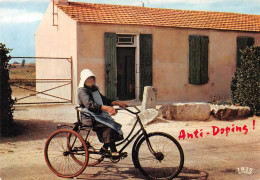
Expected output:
(117, 155)
(104, 151)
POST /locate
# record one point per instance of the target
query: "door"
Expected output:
(125, 73)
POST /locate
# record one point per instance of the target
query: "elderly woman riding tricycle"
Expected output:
(96, 135)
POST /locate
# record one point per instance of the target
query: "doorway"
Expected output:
(125, 73)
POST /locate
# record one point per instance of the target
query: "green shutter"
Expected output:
(110, 65)
(242, 43)
(194, 59)
(204, 42)
(198, 59)
(146, 62)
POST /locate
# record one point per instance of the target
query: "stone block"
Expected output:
(223, 112)
(149, 98)
(186, 111)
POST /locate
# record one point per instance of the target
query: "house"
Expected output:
(187, 55)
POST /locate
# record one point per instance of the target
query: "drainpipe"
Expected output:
(61, 2)
(53, 13)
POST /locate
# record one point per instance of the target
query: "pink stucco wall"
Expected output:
(170, 58)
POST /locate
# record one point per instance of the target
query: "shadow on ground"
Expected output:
(27, 130)
(109, 170)
(188, 173)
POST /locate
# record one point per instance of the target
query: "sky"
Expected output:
(19, 19)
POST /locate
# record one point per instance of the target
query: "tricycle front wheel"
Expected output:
(167, 160)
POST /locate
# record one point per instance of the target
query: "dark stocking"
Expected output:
(112, 146)
(106, 145)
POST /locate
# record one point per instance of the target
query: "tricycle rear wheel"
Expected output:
(59, 149)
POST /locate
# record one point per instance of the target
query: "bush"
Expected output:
(245, 85)
(6, 101)
(216, 100)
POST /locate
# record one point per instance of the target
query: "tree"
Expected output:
(23, 62)
(245, 85)
(6, 101)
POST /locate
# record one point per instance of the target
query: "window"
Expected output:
(125, 40)
(242, 43)
(198, 59)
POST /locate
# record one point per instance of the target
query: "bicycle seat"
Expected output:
(87, 124)
(79, 109)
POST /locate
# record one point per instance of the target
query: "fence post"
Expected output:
(71, 76)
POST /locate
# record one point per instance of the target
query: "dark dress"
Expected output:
(105, 133)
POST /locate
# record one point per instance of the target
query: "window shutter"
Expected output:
(198, 59)
(194, 60)
(110, 65)
(146, 61)
(242, 43)
(204, 41)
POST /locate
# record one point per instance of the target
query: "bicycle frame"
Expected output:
(142, 129)
(138, 121)
(72, 144)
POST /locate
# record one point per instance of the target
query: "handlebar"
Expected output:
(126, 108)
(79, 109)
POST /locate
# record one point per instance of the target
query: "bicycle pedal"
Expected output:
(123, 155)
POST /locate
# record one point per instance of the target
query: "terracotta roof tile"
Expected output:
(134, 15)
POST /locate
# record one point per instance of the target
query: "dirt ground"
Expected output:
(210, 157)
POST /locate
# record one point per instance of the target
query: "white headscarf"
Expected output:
(85, 74)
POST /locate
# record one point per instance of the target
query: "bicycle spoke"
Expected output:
(94, 145)
(167, 160)
(58, 150)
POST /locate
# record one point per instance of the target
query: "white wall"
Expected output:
(56, 41)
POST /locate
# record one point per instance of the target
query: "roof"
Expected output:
(144, 16)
